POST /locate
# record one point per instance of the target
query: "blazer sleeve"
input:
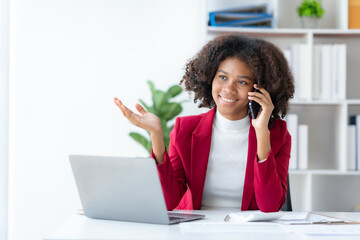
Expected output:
(171, 172)
(270, 181)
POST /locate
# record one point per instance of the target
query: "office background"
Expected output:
(62, 62)
(68, 59)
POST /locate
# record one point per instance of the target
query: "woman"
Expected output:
(224, 158)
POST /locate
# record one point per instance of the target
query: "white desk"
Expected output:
(212, 227)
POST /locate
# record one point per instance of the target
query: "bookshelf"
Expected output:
(326, 185)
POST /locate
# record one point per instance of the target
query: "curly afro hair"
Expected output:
(266, 61)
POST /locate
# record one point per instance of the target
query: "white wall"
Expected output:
(68, 59)
(4, 115)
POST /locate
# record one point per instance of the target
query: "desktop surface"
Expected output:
(211, 227)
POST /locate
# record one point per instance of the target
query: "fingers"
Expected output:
(261, 97)
(119, 104)
(134, 118)
(125, 111)
(263, 91)
(140, 109)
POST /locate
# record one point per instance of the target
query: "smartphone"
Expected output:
(254, 107)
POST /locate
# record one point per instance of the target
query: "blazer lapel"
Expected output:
(200, 149)
(248, 191)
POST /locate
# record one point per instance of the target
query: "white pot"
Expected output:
(309, 22)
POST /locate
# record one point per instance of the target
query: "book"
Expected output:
(354, 14)
(292, 126)
(316, 72)
(287, 55)
(303, 146)
(326, 83)
(329, 71)
(341, 73)
(334, 71)
(355, 120)
(304, 70)
(294, 67)
(351, 148)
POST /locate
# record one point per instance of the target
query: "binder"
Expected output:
(256, 15)
(255, 8)
(231, 18)
(354, 14)
(264, 22)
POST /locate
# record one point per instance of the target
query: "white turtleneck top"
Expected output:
(225, 174)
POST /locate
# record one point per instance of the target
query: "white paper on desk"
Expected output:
(293, 217)
(297, 218)
(288, 216)
(341, 229)
(225, 227)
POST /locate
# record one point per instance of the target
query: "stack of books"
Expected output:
(328, 70)
(245, 16)
(299, 143)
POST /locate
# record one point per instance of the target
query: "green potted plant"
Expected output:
(310, 11)
(165, 109)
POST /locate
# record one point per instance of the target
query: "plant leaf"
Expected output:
(171, 110)
(141, 140)
(152, 86)
(162, 108)
(174, 90)
(159, 98)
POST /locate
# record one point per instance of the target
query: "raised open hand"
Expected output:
(144, 120)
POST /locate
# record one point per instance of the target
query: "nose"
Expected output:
(230, 87)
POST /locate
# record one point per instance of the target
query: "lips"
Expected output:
(228, 100)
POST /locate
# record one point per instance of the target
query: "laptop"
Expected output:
(124, 189)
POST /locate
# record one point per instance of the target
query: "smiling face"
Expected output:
(231, 84)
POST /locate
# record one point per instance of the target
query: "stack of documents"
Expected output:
(288, 218)
(304, 223)
(256, 15)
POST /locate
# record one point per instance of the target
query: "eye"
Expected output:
(222, 77)
(242, 82)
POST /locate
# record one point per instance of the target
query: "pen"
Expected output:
(320, 222)
(328, 222)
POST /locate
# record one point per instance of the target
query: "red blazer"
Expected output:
(182, 174)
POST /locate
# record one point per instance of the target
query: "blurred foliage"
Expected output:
(310, 8)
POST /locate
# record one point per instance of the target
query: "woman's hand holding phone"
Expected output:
(261, 97)
(261, 122)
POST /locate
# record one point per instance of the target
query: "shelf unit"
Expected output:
(327, 185)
